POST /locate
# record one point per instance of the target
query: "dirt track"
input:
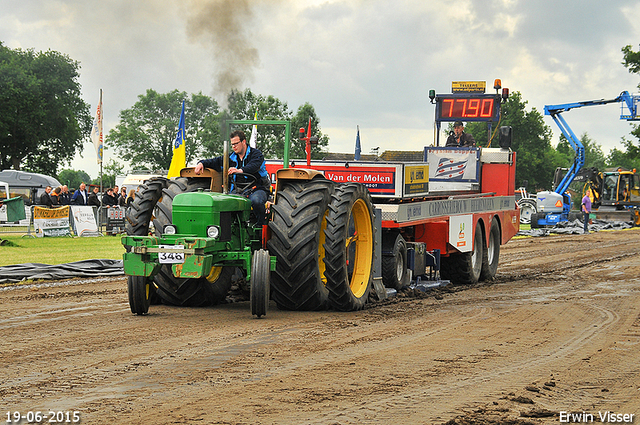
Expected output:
(558, 331)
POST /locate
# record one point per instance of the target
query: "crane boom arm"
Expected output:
(626, 99)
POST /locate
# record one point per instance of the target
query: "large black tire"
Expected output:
(349, 247)
(395, 274)
(465, 267)
(260, 282)
(491, 253)
(527, 208)
(204, 291)
(297, 241)
(139, 288)
(140, 214)
(534, 220)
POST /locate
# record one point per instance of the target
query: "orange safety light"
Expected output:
(497, 84)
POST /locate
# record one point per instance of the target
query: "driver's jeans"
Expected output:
(258, 199)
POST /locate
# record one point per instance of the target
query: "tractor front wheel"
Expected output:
(140, 291)
(260, 282)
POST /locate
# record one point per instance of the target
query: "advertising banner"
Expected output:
(51, 221)
(453, 164)
(84, 221)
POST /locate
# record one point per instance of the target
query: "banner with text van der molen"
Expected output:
(84, 221)
(51, 221)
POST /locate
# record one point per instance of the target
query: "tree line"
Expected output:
(44, 122)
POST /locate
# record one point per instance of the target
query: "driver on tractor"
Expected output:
(247, 171)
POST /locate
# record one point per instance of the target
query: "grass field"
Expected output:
(19, 250)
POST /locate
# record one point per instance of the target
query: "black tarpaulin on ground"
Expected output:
(576, 227)
(85, 268)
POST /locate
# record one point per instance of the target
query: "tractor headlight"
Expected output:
(169, 229)
(213, 231)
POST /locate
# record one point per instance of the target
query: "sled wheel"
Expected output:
(395, 274)
(491, 254)
(349, 245)
(260, 282)
(465, 267)
(140, 289)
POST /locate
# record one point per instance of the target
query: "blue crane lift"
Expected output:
(555, 206)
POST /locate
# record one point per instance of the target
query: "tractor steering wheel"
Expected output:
(248, 182)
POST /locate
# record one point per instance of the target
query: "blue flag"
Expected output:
(356, 157)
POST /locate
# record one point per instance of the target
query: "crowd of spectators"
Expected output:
(112, 197)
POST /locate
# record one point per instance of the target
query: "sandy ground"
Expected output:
(558, 331)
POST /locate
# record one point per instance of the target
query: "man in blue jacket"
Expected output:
(244, 160)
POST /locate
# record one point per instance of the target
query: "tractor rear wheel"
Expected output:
(349, 246)
(395, 274)
(297, 241)
(491, 255)
(140, 214)
(191, 292)
(465, 267)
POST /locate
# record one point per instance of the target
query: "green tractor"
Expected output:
(208, 236)
(188, 241)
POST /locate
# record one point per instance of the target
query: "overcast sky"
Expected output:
(358, 62)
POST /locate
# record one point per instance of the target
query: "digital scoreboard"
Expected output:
(469, 107)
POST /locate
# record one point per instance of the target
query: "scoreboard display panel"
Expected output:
(467, 107)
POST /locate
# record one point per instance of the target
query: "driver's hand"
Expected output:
(234, 170)
(199, 168)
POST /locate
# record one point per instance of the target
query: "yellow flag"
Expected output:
(179, 159)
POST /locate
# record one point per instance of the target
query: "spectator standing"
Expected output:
(65, 196)
(122, 199)
(93, 200)
(586, 211)
(109, 199)
(80, 196)
(131, 198)
(45, 198)
(55, 197)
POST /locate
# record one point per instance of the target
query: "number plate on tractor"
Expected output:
(171, 254)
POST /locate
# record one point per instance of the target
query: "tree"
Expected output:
(73, 178)
(112, 169)
(43, 120)
(243, 106)
(593, 155)
(536, 158)
(146, 132)
(630, 158)
(301, 120)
